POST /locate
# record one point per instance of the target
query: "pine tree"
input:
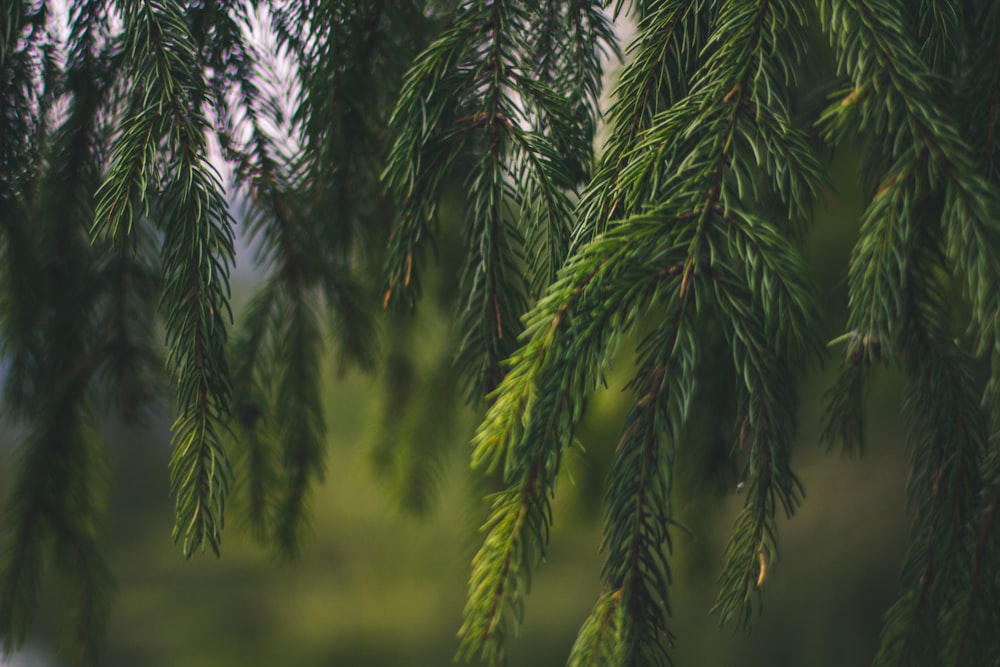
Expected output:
(349, 127)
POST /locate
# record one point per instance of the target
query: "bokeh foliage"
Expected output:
(347, 130)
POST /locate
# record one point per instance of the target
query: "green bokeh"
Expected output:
(375, 587)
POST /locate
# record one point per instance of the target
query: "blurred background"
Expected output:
(380, 585)
(382, 578)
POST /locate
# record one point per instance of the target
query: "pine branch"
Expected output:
(534, 411)
(950, 436)
(307, 213)
(472, 91)
(416, 417)
(876, 278)
(767, 419)
(350, 64)
(940, 34)
(54, 333)
(278, 345)
(53, 513)
(197, 252)
(195, 294)
(495, 294)
(980, 85)
(566, 53)
(639, 496)
(20, 123)
(893, 87)
(690, 161)
(23, 562)
(92, 578)
(901, 310)
(301, 426)
(655, 78)
(517, 528)
(600, 640)
(279, 410)
(844, 418)
(977, 611)
(251, 355)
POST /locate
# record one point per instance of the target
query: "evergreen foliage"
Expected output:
(348, 129)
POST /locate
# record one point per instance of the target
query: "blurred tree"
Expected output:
(685, 231)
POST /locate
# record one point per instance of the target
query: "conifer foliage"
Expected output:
(344, 129)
